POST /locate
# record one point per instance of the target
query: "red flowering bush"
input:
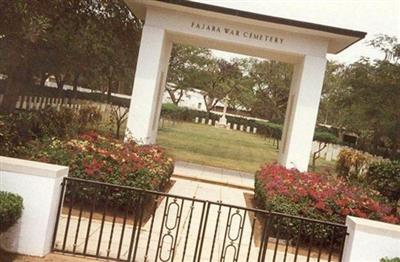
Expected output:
(95, 157)
(318, 197)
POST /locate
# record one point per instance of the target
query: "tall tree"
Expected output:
(23, 26)
(271, 81)
(185, 60)
(77, 41)
(217, 80)
(364, 97)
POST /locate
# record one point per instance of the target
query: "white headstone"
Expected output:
(234, 126)
(203, 120)
(241, 127)
(210, 122)
(254, 130)
(248, 129)
(228, 126)
(196, 120)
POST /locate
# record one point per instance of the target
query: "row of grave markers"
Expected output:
(235, 126)
(38, 102)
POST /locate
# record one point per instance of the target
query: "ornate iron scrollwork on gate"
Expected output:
(233, 234)
(171, 223)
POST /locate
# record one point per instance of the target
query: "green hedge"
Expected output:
(11, 206)
(384, 176)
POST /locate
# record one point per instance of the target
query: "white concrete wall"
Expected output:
(331, 152)
(369, 240)
(39, 185)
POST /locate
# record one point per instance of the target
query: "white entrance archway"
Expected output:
(303, 44)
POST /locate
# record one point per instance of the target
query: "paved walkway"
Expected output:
(216, 175)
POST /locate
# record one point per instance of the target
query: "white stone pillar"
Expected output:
(301, 112)
(150, 77)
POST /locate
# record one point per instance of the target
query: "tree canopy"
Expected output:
(364, 97)
(86, 42)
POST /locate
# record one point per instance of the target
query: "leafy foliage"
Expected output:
(271, 81)
(317, 197)
(88, 42)
(384, 176)
(11, 206)
(184, 63)
(364, 98)
(395, 259)
(353, 164)
(325, 137)
(20, 127)
(94, 157)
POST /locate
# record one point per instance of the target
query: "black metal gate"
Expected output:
(129, 224)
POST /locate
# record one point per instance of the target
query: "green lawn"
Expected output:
(208, 145)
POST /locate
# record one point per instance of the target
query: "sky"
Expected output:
(371, 16)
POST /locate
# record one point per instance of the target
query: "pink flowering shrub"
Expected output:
(317, 196)
(95, 157)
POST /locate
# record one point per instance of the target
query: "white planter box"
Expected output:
(39, 185)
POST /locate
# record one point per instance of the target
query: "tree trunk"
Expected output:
(172, 95)
(60, 80)
(109, 89)
(118, 129)
(75, 85)
(316, 154)
(14, 86)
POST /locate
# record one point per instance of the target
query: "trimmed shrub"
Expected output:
(353, 164)
(325, 137)
(11, 206)
(317, 197)
(103, 159)
(395, 259)
(269, 129)
(384, 176)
